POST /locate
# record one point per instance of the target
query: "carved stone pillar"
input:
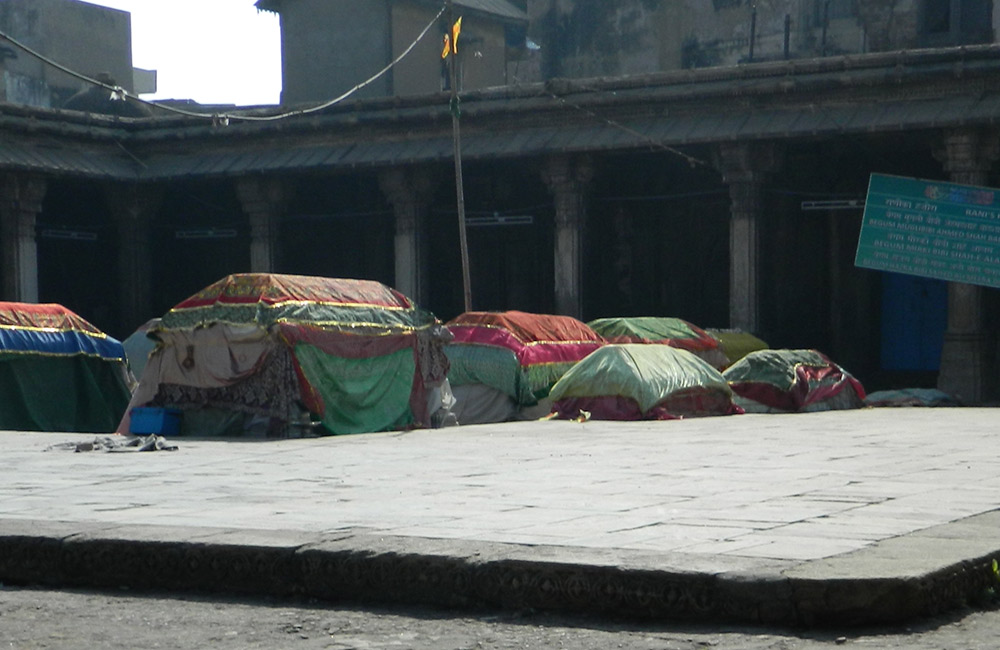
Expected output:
(967, 356)
(409, 190)
(568, 178)
(133, 209)
(264, 202)
(745, 167)
(20, 202)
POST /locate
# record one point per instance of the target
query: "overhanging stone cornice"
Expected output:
(888, 92)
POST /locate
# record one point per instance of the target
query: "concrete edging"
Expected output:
(916, 575)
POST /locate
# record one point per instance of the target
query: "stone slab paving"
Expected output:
(798, 500)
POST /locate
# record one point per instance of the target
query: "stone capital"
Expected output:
(568, 179)
(262, 194)
(409, 190)
(743, 162)
(23, 192)
(130, 203)
(567, 173)
(968, 155)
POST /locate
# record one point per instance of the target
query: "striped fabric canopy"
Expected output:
(519, 353)
(358, 355)
(265, 299)
(52, 330)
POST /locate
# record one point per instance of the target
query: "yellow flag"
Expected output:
(456, 29)
(447, 47)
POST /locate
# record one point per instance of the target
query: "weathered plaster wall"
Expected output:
(329, 46)
(588, 38)
(582, 38)
(421, 71)
(82, 36)
(482, 51)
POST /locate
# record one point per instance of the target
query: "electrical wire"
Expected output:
(119, 93)
(223, 119)
(358, 87)
(691, 160)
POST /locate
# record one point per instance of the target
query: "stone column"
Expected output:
(967, 356)
(568, 178)
(745, 167)
(264, 201)
(133, 209)
(20, 203)
(409, 190)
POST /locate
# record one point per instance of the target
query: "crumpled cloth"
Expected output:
(119, 443)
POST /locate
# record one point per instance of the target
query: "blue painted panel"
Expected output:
(914, 318)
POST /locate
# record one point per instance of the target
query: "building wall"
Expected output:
(482, 53)
(329, 46)
(421, 71)
(591, 38)
(84, 37)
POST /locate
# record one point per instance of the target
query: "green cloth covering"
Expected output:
(360, 395)
(644, 327)
(736, 344)
(646, 373)
(541, 377)
(491, 366)
(774, 367)
(62, 394)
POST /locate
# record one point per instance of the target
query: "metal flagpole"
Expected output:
(457, 144)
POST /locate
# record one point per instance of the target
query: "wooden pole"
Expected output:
(457, 145)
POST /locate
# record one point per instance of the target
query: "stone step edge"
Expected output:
(876, 585)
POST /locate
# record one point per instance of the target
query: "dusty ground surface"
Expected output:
(36, 618)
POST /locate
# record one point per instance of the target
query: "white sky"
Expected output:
(211, 51)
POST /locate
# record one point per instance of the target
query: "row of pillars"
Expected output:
(967, 156)
(969, 356)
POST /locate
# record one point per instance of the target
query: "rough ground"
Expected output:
(60, 620)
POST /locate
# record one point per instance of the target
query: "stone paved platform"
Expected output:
(861, 516)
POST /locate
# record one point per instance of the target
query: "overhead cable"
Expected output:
(220, 119)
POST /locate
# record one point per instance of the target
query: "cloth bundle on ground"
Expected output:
(58, 372)
(736, 344)
(355, 355)
(675, 332)
(770, 381)
(642, 382)
(929, 397)
(505, 363)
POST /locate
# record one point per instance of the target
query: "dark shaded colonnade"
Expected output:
(674, 194)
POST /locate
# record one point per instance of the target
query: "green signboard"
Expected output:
(932, 229)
